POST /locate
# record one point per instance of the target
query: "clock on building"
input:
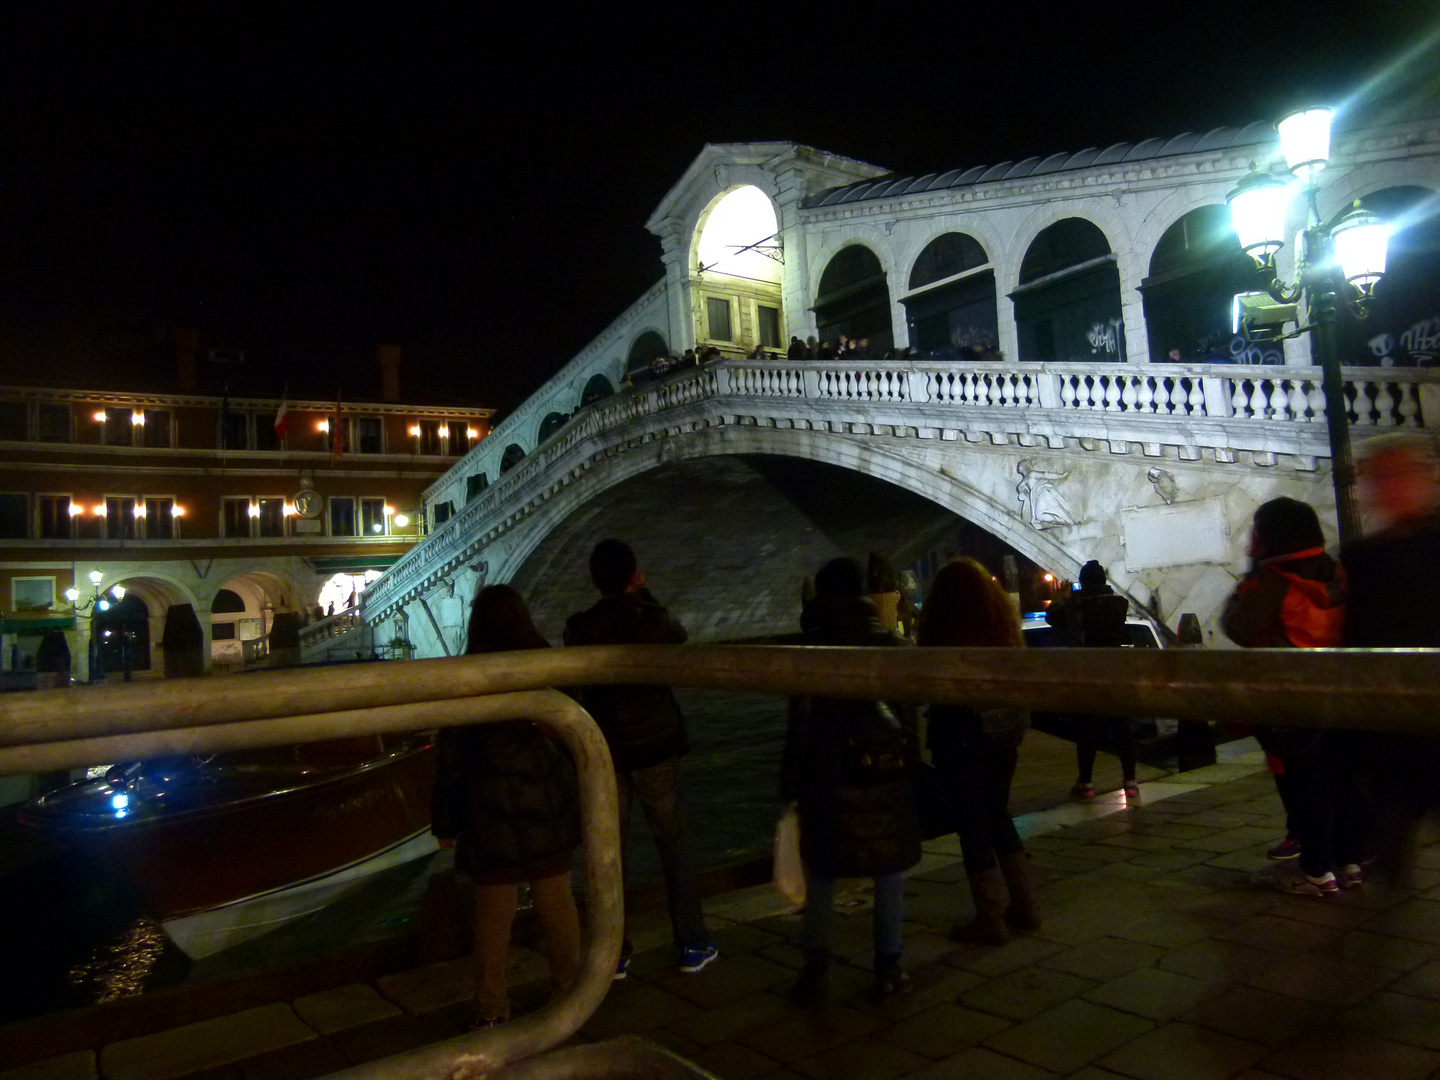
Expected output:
(308, 503)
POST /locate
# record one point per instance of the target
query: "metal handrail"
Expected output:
(1392, 690)
(1384, 690)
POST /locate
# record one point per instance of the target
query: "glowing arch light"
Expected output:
(739, 237)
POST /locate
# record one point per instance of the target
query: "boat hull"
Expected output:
(212, 855)
(205, 933)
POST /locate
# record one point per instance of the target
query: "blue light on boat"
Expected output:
(120, 802)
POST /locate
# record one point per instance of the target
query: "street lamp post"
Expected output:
(97, 603)
(1333, 268)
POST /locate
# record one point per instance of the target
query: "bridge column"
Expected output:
(1007, 274)
(1132, 307)
(674, 249)
(795, 277)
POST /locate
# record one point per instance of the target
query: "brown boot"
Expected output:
(988, 890)
(1023, 912)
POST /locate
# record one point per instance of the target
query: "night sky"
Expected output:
(472, 181)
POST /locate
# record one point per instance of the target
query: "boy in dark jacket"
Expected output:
(646, 734)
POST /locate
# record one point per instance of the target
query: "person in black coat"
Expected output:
(506, 797)
(1095, 616)
(847, 765)
(645, 731)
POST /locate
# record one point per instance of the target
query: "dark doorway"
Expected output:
(1196, 271)
(952, 302)
(124, 635)
(854, 300)
(1067, 305)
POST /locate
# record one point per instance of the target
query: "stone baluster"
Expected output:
(1364, 405)
(1259, 400)
(1315, 397)
(1409, 407)
(1007, 390)
(1240, 402)
(1112, 392)
(1145, 394)
(1279, 400)
(1130, 395)
(1387, 402)
(1196, 399)
(1067, 391)
(1298, 401)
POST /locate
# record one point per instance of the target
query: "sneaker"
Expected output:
(891, 980)
(1082, 790)
(1302, 884)
(621, 969)
(1285, 849)
(1132, 789)
(1351, 876)
(695, 958)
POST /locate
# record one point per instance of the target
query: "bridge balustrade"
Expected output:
(1267, 410)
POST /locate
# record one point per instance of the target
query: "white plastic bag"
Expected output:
(789, 871)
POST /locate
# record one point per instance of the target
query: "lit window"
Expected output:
(119, 518)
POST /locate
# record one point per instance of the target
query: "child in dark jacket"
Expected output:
(1294, 597)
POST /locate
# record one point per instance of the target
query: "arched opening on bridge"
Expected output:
(737, 261)
(597, 389)
(853, 300)
(552, 423)
(475, 483)
(728, 541)
(1067, 303)
(647, 347)
(1403, 326)
(1196, 270)
(511, 457)
(951, 305)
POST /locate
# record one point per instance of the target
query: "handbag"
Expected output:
(789, 877)
(932, 804)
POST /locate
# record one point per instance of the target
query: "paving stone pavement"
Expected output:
(1163, 956)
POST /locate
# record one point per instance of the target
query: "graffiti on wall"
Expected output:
(1419, 345)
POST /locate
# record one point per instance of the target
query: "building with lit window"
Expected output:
(241, 506)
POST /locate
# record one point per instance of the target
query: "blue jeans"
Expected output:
(820, 911)
(658, 788)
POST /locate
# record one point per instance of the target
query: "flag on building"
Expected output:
(282, 418)
(337, 432)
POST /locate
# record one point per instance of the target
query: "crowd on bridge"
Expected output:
(869, 780)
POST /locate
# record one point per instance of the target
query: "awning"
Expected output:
(20, 624)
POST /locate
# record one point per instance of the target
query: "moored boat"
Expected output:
(227, 847)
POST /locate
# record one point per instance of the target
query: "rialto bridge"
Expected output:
(1014, 316)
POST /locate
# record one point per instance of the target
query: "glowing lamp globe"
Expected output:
(118, 591)
(1257, 211)
(96, 577)
(72, 594)
(1305, 141)
(1361, 240)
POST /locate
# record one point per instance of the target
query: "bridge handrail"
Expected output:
(1235, 393)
